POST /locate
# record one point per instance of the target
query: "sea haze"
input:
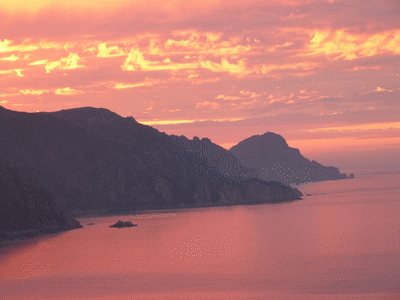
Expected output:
(340, 242)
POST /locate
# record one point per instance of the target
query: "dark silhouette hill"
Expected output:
(94, 159)
(26, 210)
(274, 160)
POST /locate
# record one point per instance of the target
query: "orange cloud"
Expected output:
(5, 46)
(104, 51)
(212, 105)
(8, 95)
(55, 45)
(356, 68)
(265, 69)
(225, 66)
(341, 44)
(33, 92)
(166, 122)
(273, 48)
(10, 58)
(202, 43)
(198, 81)
(136, 61)
(228, 97)
(17, 71)
(38, 62)
(120, 86)
(68, 91)
(251, 94)
(67, 63)
(174, 122)
(373, 126)
(379, 89)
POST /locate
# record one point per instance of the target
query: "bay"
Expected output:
(342, 241)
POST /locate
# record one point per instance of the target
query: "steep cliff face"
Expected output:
(274, 160)
(94, 159)
(26, 210)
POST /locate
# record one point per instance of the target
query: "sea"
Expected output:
(342, 241)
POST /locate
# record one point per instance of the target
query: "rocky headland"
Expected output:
(27, 211)
(273, 160)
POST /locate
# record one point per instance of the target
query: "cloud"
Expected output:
(166, 122)
(225, 66)
(8, 95)
(265, 69)
(6, 46)
(136, 61)
(273, 48)
(204, 43)
(68, 91)
(67, 63)
(342, 44)
(223, 97)
(212, 105)
(251, 94)
(33, 92)
(199, 81)
(17, 71)
(38, 62)
(362, 127)
(379, 89)
(112, 51)
(56, 45)
(178, 122)
(10, 58)
(120, 86)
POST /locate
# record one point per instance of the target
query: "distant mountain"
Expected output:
(26, 210)
(274, 160)
(94, 159)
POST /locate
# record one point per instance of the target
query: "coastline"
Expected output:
(9, 237)
(122, 211)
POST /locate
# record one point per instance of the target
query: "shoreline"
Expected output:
(122, 211)
(7, 237)
(10, 237)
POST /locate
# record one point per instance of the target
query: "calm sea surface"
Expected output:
(341, 242)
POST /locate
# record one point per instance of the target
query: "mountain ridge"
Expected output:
(93, 159)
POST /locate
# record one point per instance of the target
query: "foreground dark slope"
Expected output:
(26, 210)
(94, 159)
(274, 160)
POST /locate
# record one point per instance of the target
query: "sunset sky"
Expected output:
(324, 74)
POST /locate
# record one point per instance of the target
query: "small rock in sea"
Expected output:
(121, 224)
(90, 223)
(309, 195)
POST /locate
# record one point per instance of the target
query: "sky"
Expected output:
(324, 74)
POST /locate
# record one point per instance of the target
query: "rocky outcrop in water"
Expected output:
(273, 160)
(121, 224)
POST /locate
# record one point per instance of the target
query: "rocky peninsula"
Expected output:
(273, 160)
